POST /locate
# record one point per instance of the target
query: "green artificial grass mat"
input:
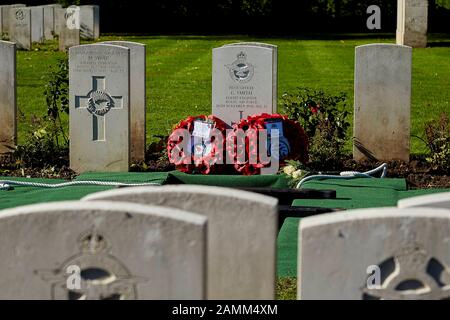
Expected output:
(350, 194)
(23, 195)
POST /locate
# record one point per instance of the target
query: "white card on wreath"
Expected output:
(202, 129)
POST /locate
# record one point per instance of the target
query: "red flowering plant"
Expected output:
(244, 143)
(311, 107)
(196, 145)
(325, 119)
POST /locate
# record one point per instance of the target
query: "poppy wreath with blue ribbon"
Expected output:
(293, 142)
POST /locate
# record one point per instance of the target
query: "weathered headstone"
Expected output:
(382, 102)
(437, 200)
(243, 82)
(412, 23)
(6, 13)
(20, 27)
(49, 22)
(56, 17)
(68, 21)
(87, 251)
(137, 98)
(90, 22)
(242, 233)
(383, 253)
(8, 107)
(37, 24)
(99, 82)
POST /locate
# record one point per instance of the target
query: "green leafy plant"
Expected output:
(56, 97)
(324, 118)
(437, 139)
(40, 149)
(327, 147)
(47, 142)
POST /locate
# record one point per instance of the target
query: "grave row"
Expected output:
(43, 22)
(27, 25)
(108, 104)
(203, 242)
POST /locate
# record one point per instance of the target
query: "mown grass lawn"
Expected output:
(179, 75)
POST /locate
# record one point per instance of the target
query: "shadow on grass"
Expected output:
(249, 37)
(439, 44)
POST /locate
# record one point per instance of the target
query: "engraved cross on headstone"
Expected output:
(98, 102)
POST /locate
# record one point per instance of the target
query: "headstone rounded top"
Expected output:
(251, 43)
(7, 43)
(96, 45)
(190, 189)
(124, 43)
(100, 206)
(243, 47)
(374, 214)
(436, 200)
(383, 45)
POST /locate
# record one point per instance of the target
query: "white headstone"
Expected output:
(412, 23)
(436, 200)
(6, 12)
(37, 24)
(8, 107)
(137, 97)
(382, 253)
(274, 49)
(99, 82)
(76, 250)
(242, 233)
(382, 102)
(68, 21)
(243, 82)
(20, 27)
(90, 22)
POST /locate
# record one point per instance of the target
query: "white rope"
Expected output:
(7, 184)
(347, 175)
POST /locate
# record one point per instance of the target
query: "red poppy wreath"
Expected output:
(196, 145)
(293, 142)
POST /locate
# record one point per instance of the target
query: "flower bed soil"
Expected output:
(418, 173)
